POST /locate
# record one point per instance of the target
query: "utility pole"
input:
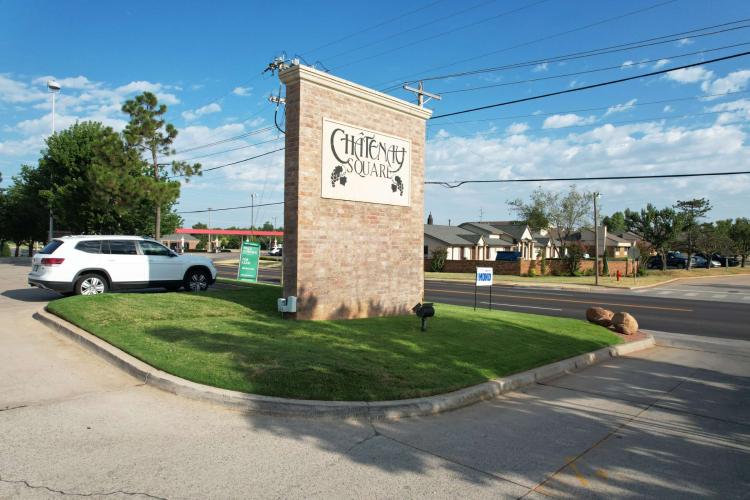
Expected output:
(421, 93)
(596, 241)
(252, 213)
(209, 229)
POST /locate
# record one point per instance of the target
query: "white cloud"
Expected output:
(243, 91)
(191, 115)
(668, 109)
(690, 75)
(661, 63)
(733, 82)
(76, 82)
(566, 120)
(138, 87)
(683, 41)
(540, 67)
(627, 64)
(642, 148)
(517, 128)
(18, 92)
(732, 111)
(619, 108)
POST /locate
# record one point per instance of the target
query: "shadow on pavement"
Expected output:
(16, 261)
(681, 446)
(31, 295)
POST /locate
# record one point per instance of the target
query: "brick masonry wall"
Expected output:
(346, 259)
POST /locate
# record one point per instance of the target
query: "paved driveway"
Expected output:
(669, 422)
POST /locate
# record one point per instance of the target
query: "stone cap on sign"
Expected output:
(308, 74)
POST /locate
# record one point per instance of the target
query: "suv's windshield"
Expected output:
(51, 247)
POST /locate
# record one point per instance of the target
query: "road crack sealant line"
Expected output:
(375, 410)
(24, 482)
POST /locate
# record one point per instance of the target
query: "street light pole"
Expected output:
(209, 231)
(596, 241)
(54, 88)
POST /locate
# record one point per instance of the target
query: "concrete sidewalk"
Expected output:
(669, 422)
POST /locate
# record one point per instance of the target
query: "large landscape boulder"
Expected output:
(624, 323)
(599, 316)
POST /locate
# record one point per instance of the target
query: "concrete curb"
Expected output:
(379, 410)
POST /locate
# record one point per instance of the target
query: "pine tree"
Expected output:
(150, 134)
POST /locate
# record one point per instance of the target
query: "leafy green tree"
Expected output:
(202, 238)
(739, 233)
(560, 214)
(615, 223)
(24, 219)
(661, 228)
(691, 212)
(712, 238)
(151, 135)
(92, 180)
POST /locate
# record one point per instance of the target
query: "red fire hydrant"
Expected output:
(619, 274)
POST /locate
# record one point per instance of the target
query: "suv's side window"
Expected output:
(122, 247)
(153, 248)
(93, 246)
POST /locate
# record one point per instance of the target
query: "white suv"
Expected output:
(87, 265)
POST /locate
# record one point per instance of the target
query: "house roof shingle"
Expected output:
(451, 235)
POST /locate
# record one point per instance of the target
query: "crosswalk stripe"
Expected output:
(691, 294)
(719, 296)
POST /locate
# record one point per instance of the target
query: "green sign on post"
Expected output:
(249, 256)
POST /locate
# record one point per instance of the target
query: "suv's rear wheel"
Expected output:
(197, 279)
(91, 284)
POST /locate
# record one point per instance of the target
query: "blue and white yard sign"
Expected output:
(484, 276)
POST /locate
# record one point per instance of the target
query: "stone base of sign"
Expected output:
(349, 259)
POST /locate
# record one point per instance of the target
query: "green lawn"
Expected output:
(235, 339)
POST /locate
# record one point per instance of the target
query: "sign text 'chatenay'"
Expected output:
(362, 165)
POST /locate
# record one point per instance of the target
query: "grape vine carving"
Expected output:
(336, 175)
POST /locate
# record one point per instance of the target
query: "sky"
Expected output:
(206, 61)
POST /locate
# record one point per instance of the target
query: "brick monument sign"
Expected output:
(354, 196)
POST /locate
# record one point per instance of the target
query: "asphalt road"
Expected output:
(670, 314)
(674, 312)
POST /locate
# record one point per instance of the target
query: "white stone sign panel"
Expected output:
(364, 165)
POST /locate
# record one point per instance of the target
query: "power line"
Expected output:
(232, 149)
(648, 42)
(443, 33)
(595, 85)
(548, 37)
(234, 162)
(365, 30)
(420, 26)
(229, 139)
(584, 110)
(595, 70)
(231, 208)
(456, 184)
